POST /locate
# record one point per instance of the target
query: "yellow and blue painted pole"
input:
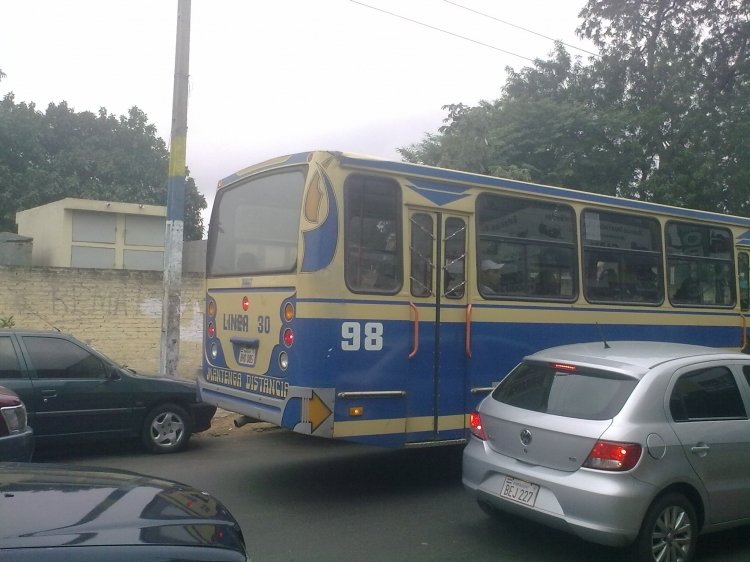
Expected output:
(170, 323)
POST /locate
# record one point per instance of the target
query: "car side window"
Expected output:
(705, 395)
(746, 372)
(9, 366)
(55, 358)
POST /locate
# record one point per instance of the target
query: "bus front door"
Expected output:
(438, 359)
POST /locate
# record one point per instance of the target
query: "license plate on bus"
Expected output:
(247, 356)
(519, 491)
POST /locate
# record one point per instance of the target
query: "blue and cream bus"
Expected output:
(361, 299)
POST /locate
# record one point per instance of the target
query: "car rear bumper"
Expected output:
(601, 507)
(17, 447)
(202, 414)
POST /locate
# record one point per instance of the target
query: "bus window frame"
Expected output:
(421, 243)
(621, 257)
(212, 239)
(456, 239)
(671, 258)
(743, 279)
(573, 246)
(397, 220)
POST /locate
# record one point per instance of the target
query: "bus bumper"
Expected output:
(304, 410)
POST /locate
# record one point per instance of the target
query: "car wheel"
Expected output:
(669, 531)
(166, 429)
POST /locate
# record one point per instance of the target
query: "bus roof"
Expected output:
(349, 160)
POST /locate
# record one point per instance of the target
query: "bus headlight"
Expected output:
(283, 361)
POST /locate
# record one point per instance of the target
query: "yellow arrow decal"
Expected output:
(318, 411)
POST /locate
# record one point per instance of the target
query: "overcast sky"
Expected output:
(276, 77)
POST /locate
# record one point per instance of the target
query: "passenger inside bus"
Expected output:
(247, 262)
(689, 291)
(489, 276)
(547, 284)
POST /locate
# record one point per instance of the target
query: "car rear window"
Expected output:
(569, 392)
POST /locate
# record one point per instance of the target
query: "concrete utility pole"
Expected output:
(170, 311)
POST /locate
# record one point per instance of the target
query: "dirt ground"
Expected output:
(222, 425)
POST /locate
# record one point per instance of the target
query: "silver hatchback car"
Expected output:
(638, 444)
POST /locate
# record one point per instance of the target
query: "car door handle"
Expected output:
(700, 450)
(48, 393)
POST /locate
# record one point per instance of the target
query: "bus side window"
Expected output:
(622, 258)
(372, 235)
(455, 258)
(422, 234)
(744, 269)
(531, 247)
(700, 265)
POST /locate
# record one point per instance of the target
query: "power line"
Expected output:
(518, 27)
(443, 31)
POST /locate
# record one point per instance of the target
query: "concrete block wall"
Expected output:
(118, 312)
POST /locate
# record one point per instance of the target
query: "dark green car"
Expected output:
(73, 392)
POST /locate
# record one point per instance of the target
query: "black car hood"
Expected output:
(47, 505)
(147, 377)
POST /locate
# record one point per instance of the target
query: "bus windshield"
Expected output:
(255, 226)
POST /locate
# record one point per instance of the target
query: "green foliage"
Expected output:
(7, 322)
(48, 156)
(662, 114)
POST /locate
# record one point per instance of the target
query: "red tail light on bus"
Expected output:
(288, 337)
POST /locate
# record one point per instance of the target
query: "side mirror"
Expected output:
(113, 373)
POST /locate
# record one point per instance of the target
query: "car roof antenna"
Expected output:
(43, 319)
(601, 335)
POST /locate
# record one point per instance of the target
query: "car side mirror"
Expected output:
(113, 373)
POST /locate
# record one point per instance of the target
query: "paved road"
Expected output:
(304, 499)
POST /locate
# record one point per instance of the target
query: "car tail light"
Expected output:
(564, 367)
(607, 455)
(476, 427)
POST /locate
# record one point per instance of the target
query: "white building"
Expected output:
(95, 234)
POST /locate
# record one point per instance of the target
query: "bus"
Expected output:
(360, 299)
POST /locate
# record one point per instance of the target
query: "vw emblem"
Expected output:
(525, 437)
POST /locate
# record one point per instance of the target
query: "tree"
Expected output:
(48, 156)
(661, 114)
(685, 81)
